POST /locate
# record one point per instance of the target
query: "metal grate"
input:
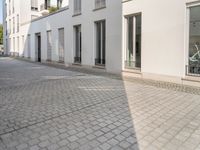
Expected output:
(193, 70)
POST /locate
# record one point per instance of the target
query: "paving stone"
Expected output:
(44, 108)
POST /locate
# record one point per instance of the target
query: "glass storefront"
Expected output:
(194, 41)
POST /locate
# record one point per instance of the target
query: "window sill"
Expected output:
(96, 9)
(99, 66)
(77, 14)
(191, 78)
(76, 64)
(132, 70)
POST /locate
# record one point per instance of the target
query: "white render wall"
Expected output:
(165, 26)
(66, 20)
(164, 36)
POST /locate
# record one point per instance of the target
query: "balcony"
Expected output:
(44, 9)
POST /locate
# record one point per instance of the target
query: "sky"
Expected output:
(1, 12)
(53, 2)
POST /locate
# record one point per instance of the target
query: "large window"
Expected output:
(23, 46)
(18, 46)
(77, 32)
(13, 8)
(34, 5)
(6, 9)
(29, 46)
(61, 44)
(49, 45)
(14, 46)
(13, 25)
(133, 41)
(194, 41)
(59, 3)
(77, 7)
(17, 23)
(100, 43)
(100, 4)
(6, 28)
(9, 26)
(9, 7)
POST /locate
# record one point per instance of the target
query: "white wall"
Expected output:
(112, 15)
(163, 25)
(164, 34)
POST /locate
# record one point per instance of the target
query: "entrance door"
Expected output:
(38, 37)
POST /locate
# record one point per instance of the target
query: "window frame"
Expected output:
(99, 4)
(77, 7)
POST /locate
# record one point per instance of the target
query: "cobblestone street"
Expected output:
(46, 108)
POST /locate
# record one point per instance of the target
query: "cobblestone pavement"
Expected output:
(44, 108)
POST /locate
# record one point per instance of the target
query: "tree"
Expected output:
(1, 34)
(52, 9)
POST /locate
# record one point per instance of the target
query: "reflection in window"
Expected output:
(194, 41)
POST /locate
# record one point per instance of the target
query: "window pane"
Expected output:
(194, 40)
(133, 43)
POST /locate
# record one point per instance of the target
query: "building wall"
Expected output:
(67, 20)
(23, 9)
(164, 34)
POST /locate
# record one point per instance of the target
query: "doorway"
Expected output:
(77, 57)
(38, 47)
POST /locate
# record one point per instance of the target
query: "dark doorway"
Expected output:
(38, 46)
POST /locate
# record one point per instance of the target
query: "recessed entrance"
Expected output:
(38, 47)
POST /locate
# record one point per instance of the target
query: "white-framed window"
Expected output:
(77, 44)
(133, 33)
(77, 7)
(6, 9)
(13, 24)
(49, 45)
(61, 44)
(9, 26)
(193, 66)
(18, 45)
(9, 7)
(29, 46)
(100, 4)
(23, 46)
(6, 25)
(100, 43)
(14, 45)
(18, 23)
(13, 6)
(34, 5)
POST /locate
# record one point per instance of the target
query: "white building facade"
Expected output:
(153, 39)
